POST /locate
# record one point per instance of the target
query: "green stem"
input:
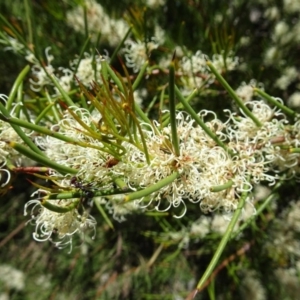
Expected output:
(38, 99)
(161, 107)
(262, 207)
(153, 188)
(20, 94)
(166, 117)
(15, 87)
(79, 194)
(43, 113)
(46, 131)
(150, 105)
(120, 183)
(141, 114)
(86, 43)
(223, 242)
(29, 25)
(272, 100)
(103, 213)
(219, 188)
(200, 122)
(63, 93)
(294, 150)
(86, 23)
(57, 208)
(5, 117)
(140, 76)
(234, 96)
(172, 108)
(104, 72)
(41, 159)
(142, 136)
(115, 78)
(113, 56)
(54, 109)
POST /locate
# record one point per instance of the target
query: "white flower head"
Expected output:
(65, 79)
(56, 226)
(272, 55)
(201, 227)
(246, 91)
(88, 69)
(252, 287)
(291, 6)
(221, 63)
(294, 100)
(41, 73)
(282, 33)
(289, 75)
(136, 53)
(194, 64)
(12, 278)
(12, 44)
(154, 4)
(112, 30)
(272, 13)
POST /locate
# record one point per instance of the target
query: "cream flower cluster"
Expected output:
(11, 279)
(87, 70)
(136, 53)
(111, 30)
(283, 246)
(202, 164)
(8, 134)
(195, 72)
(59, 227)
(209, 175)
(40, 73)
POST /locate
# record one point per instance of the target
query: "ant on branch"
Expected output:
(87, 193)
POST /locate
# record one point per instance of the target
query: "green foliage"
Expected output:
(151, 254)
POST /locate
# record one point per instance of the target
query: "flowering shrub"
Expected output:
(134, 124)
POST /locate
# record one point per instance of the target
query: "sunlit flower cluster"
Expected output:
(201, 164)
(164, 146)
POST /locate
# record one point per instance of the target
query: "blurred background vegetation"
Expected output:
(148, 257)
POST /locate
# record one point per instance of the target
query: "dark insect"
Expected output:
(87, 193)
